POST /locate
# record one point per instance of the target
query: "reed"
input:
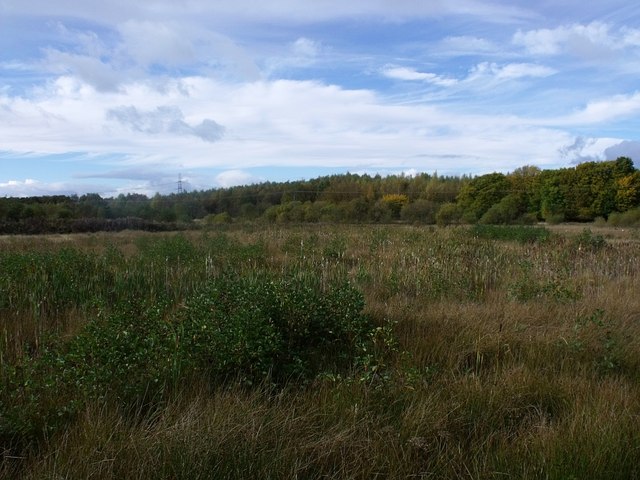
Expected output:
(470, 354)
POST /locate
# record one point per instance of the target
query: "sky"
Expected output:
(121, 96)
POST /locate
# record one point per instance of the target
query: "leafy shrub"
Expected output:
(449, 213)
(503, 212)
(587, 240)
(248, 328)
(526, 289)
(630, 218)
(258, 326)
(421, 211)
(218, 218)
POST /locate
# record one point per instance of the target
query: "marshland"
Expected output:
(322, 351)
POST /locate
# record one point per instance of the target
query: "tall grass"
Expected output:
(484, 355)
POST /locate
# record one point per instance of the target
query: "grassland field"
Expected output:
(322, 351)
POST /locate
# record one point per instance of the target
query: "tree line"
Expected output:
(588, 191)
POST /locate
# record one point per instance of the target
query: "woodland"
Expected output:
(603, 191)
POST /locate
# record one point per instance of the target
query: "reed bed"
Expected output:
(474, 354)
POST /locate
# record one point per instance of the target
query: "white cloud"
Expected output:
(605, 110)
(587, 149)
(150, 43)
(409, 74)
(305, 47)
(33, 188)
(464, 45)
(266, 126)
(150, 83)
(515, 71)
(595, 40)
(231, 178)
(483, 75)
(631, 37)
(89, 69)
(165, 120)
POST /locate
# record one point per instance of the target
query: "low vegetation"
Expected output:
(321, 352)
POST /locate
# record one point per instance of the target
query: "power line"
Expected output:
(180, 189)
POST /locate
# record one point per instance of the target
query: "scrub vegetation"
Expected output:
(321, 351)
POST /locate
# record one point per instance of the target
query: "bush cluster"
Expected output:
(252, 329)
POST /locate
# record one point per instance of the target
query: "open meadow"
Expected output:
(321, 351)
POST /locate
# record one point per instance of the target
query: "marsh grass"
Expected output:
(487, 357)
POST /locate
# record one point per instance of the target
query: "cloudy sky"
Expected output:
(116, 96)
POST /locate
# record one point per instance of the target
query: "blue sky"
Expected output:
(120, 96)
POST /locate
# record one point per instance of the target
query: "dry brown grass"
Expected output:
(513, 360)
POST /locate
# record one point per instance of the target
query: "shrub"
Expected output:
(243, 328)
(218, 218)
(587, 240)
(448, 214)
(422, 211)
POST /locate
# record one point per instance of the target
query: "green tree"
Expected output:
(449, 214)
(394, 203)
(480, 194)
(628, 192)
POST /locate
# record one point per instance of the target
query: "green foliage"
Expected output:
(254, 327)
(248, 328)
(526, 289)
(218, 218)
(480, 194)
(420, 211)
(593, 339)
(582, 193)
(504, 212)
(237, 354)
(449, 214)
(395, 202)
(630, 218)
(589, 241)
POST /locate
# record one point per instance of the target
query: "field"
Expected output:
(322, 351)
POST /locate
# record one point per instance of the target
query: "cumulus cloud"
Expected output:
(594, 40)
(33, 188)
(337, 128)
(165, 119)
(231, 178)
(590, 149)
(575, 151)
(626, 148)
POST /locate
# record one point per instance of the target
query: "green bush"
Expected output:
(587, 240)
(630, 218)
(251, 329)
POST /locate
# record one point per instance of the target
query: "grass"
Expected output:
(483, 356)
